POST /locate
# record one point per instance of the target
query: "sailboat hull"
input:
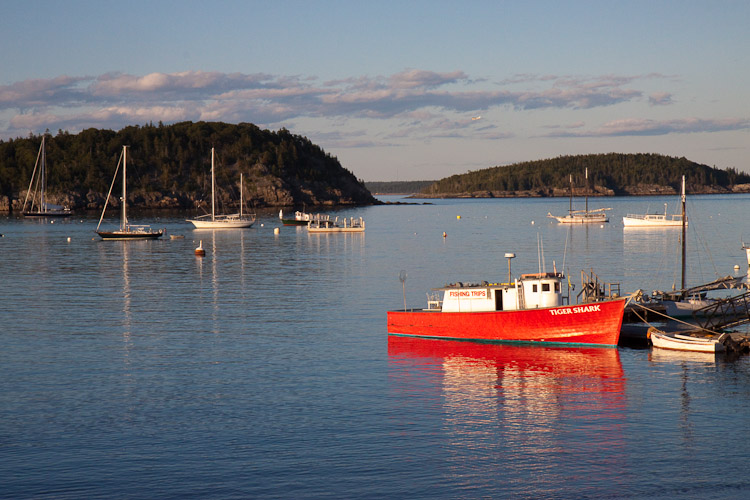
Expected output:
(130, 235)
(222, 223)
(49, 213)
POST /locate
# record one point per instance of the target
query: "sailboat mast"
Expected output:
(684, 219)
(213, 203)
(570, 208)
(240, 195)
(43, 174)
(587, 190)
(124, 213)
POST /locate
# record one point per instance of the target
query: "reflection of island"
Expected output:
(564, 406)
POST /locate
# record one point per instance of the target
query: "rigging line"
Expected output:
(114, 177)
(670, 318)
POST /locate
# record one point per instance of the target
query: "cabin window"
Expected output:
(534, 288)
(498, 300)
(545, 287)
(557, 286)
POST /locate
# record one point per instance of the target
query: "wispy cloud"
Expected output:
(420, 104)
(645, 127)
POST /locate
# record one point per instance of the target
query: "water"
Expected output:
(136, 370)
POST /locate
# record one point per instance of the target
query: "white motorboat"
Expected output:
(658, 220)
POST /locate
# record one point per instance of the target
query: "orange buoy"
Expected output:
(199, 251)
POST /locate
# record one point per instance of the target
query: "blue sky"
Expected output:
(398, 90)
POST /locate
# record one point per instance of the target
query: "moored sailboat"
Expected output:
(225, 221)
(38, 206)
(585, 216)
(127, 231)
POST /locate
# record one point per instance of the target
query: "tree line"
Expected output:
(614, 171)
(169, 158)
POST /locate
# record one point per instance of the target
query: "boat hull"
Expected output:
(336, 229)
(595, 324)
(130, 235)
(294, 222)
(637, 222)
(227, 224)
(677, 342)
(48, 214)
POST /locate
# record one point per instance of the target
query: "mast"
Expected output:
(683, 232)
(213, 203)
(240, 195)
(43, 182)
(587, 190)
(570, 208)
(124, 212)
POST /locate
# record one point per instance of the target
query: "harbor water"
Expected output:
(264, 370)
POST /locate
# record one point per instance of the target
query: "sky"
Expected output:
(396, 90)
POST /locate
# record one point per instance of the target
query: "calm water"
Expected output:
(136, 370)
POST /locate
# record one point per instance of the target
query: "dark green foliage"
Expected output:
(398, 187)
(170, 158)
(614, 171)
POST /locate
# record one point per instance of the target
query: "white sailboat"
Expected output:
(126, 231)
(228, 221)
(38, 206)
(582, 216)
(658, 220)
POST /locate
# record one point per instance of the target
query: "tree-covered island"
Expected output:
(169, 166)
(612, 174)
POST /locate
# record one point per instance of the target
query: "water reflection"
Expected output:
(519, 401)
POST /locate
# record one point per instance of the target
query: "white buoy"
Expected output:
(261, 225)
(602, 226)
(199, 251)
(68, 239)
(736, 267)
(276, 230)
(532, 223)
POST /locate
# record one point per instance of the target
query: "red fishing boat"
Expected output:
(529, 310)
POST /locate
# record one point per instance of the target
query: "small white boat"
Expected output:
(301, 218)
(228, 221)
(350, 225)
(678, 342)
(658, 220)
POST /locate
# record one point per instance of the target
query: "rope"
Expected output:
(669, 318)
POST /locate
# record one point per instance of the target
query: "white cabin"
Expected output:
(532, 291)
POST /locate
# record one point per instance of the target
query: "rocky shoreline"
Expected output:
(596, 191)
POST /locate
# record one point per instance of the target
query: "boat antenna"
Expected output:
(511, 255)
(538, 254)
(402, 277)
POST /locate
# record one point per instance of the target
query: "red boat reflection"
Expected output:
(543, 381)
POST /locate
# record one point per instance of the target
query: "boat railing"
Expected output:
(433, 301)
(594, 290)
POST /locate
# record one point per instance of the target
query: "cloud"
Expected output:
(645, 127)
(412, 104)
(660, 99)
